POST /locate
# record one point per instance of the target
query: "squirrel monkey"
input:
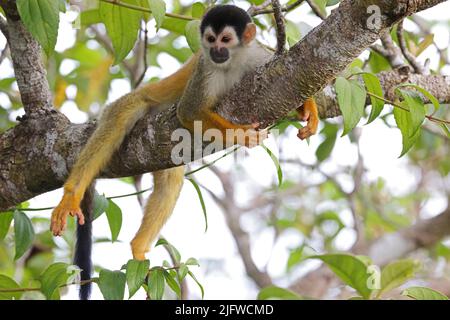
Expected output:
(229, 50)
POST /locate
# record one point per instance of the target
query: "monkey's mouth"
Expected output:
(219, 60)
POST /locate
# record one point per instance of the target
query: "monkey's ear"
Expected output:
(249, 33)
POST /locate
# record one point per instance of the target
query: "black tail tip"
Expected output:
(85, 291)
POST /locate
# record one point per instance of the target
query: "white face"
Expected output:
(220, 48)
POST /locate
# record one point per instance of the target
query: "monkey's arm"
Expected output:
(117, 120)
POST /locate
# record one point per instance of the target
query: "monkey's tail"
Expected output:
(83, 247)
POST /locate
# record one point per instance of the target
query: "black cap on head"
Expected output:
(225, 15)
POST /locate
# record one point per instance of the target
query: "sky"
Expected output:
(222, 272)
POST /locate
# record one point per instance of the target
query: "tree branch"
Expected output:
(279, 27)
(28, 67)
(3, 27)
(418, 68)
(36, 155)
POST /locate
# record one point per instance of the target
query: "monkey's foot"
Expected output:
(308, 112)
(67, 206)
(252, 137)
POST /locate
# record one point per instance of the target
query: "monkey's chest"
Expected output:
(221, 82)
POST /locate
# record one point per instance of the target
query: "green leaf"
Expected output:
(5, 223)
(90, 17)
(351, 99)
(53, 277)
(112, 284)
(422, 293)
(293, 33)
(182, 271)
(396, 273)
(192, 34)
(202, 202)
(122, 25)
(416, 110)
(198, 283)
(351, 270)
(373, 86)
(172, 283)
(23, 233)
(276, 163)
(62, 6)
(445, 129)
(378, 63)
(427, 94)
(198, 9)
(100, 205)
(403, 120)
(192, 262)
(158, 8)
(174, 25)
(332, 2)
(326, 147)
(174, 253)
(41, 17)
(321, 5)
(274, 292)
(8, 283)
(114, 215)
(427, 41)
(156, 284)
(136, 273)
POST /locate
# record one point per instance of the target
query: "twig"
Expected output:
(279, 26)
(431, 118)
(393, 53)
(418, 68)
(106, 43)
(12, 290)
(425, 29)
(142, 9)
(144, 58)
(262, 9)
(316, 10)
(4, 53)
(4, 27)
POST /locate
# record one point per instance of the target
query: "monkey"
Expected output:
(228, 51)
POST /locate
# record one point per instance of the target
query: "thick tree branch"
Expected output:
(28, 67)
(423, 234)
(37, 154)
(437, 85)
(286, 82)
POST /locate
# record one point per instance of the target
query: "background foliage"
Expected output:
(317, 202)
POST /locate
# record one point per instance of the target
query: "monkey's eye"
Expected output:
(211, 39)
(226, 39)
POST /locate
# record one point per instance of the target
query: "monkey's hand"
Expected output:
(308, 112)
(69, 205)
(245, 135)
(251, 137)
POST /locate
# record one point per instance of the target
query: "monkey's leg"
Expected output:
(117, 120)
(113, 126)
(166, 189)
(308, 112)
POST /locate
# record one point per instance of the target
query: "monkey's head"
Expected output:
(226, 30)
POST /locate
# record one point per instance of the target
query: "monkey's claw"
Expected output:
(60, 213)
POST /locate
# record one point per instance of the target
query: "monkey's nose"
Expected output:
(219, 55)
